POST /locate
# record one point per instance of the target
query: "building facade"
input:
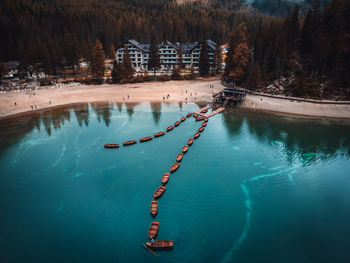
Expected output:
(169, 54)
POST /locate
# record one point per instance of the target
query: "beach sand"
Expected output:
(307, 109)
(197, 91)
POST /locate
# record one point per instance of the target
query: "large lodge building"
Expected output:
(168, 53)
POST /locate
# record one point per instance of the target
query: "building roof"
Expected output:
(186, 47)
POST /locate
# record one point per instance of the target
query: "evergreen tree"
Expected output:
(229, 55)
(254, 77)
(153, 60)
(217, 60)
(240, 61)
(48, 66)
(128, 69)
(180, 60)
(3, 70)
(117, 72)
(237, 36)
(112, 52)
(204, 59)
(98, 62)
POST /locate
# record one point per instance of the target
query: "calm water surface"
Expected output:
(252, 188)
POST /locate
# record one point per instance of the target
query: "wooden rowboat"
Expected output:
(204, 111)
(183, 119)
(160, 244)
(145, 139)
(111, 145)
(179, 157)
(154, 208)
(195, 115)
(196, 135)
(177, 123)
(189, 114)
(190, 142)
(153, 230)
(165, 178)
(204, 124)
(201, 129)
(158, 134)
(174, 167)
(169, 128)
(129, 142)
(185, 149)
(206, 119)
(200, 119)
(158, 193)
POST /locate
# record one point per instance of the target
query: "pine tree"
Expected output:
(48, 67)
(204, 59)
(128, 69)
(153, 60)
(112, 52)
(3, 70)
(217, 60)
(98, 62)
(229, 55)
(117, 72)
(254, 77)
(237, 36)
(180, 60)
(240, 61)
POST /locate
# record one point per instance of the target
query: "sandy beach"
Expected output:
(15, 103)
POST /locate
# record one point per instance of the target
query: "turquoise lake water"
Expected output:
(252, 188)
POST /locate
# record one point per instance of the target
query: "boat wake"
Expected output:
(248, 204)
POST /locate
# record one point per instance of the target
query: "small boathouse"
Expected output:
(229, 96)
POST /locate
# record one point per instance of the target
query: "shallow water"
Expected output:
(252, 188)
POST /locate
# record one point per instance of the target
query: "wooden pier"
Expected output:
(209, 114)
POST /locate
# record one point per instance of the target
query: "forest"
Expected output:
(309, 47)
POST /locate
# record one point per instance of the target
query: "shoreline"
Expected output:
(187, 91)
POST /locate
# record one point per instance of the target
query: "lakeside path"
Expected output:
(294, 107)
(155, 91)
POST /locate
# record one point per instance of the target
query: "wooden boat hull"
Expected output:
(169, 128)
(185, 149)
(165, 178)
(204, 111)
(179, 157)
(189, 114)
(174, 167)
(201, 129)
(183, 119)
(206, 119)
(111, 146)
(158, 134)
(146, 139)
(153, 230)
(177, 123)
(200, 119)
(159, 192)
(160, 245)
(195, 115)
(129, 142)
(190, 142)
(154, 208)
(196, 135)
(204, 124)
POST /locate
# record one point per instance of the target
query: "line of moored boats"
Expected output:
(159, 134)
(153, 230)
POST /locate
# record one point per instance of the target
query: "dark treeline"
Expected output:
(312, 53)
(67, 29)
